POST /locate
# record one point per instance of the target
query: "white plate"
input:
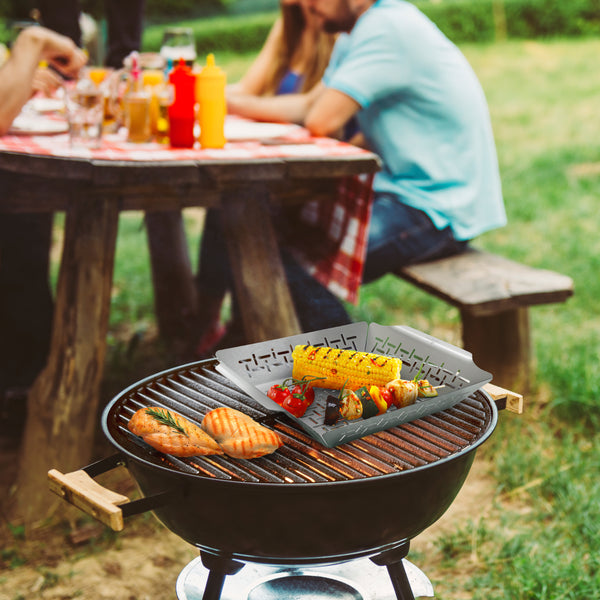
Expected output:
(239, 130)
(37, 125)
(46, 105)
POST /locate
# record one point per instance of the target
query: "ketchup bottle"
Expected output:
(213, 107)
(181, 112)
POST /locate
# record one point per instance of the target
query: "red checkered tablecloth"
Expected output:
(296, 143)
(343, 221)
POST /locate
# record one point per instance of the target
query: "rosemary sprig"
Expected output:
(164, 417)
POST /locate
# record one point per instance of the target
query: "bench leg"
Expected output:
(500, 344)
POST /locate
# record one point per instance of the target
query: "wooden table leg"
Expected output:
(63, 402)
(172, 276)
(266, 305)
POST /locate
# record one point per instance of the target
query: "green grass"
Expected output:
(539, 540)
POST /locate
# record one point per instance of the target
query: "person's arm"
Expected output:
(323, 111)
(17, 74)
(287, 108)
(330, 111)
(254, 80)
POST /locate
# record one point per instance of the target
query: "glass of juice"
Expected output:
(137, 116)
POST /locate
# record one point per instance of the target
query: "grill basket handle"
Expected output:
(79, 489)
(504, 399)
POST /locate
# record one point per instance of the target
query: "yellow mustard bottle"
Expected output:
(210, 94)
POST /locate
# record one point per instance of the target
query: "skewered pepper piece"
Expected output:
(337, 366)
(381, 397)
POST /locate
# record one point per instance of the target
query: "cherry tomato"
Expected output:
(296, 405)
(295, 395)
(278, 393)
(387, 396)
(305, 391)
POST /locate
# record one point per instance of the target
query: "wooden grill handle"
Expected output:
(80, 490)
(511, 401)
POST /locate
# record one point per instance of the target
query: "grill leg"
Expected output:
(393, 562)
(400, 581)
(218, 569)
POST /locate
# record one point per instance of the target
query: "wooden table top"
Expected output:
(139, 175)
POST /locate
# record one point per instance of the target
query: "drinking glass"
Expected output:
(85, 109)
(165, 95)
(137, 116)
(178, 42)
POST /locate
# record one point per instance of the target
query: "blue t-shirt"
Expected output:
(424, 113)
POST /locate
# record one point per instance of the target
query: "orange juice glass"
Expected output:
(97, 74)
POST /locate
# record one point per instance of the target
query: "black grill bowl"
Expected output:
(303, 504)
(302, 524)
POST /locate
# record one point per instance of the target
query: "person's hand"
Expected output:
(235, 101)
(62, 53)
(58, 51)
(45, 81)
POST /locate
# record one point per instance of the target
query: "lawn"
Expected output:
(538, 539)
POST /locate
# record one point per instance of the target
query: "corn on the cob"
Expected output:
(355, 369)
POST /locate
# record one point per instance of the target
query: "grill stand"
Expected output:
(392, 561)
(206, 581)
(218, 569)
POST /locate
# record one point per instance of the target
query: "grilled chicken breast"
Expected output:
(239, 435)
(169, 432)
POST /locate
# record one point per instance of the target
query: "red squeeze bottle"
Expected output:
(181, 112)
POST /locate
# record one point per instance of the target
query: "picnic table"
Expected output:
(92, 187)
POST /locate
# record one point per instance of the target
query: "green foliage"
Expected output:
(242, 25)
(545, 18)
(159, 9)
(486, 20)
(242, 33)
(462, 20)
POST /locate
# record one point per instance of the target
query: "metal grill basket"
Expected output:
(256, 367)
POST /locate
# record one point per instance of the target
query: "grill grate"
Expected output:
(195, 389)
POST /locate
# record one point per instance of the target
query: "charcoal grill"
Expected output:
(302, 505)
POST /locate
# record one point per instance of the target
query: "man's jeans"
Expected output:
(400, 235)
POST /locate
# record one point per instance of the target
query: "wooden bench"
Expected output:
(493, 295)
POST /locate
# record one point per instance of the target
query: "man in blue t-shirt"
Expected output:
(421, 108)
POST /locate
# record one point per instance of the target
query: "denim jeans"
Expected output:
(400, 235)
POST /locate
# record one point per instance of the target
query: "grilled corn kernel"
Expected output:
(338, 367)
